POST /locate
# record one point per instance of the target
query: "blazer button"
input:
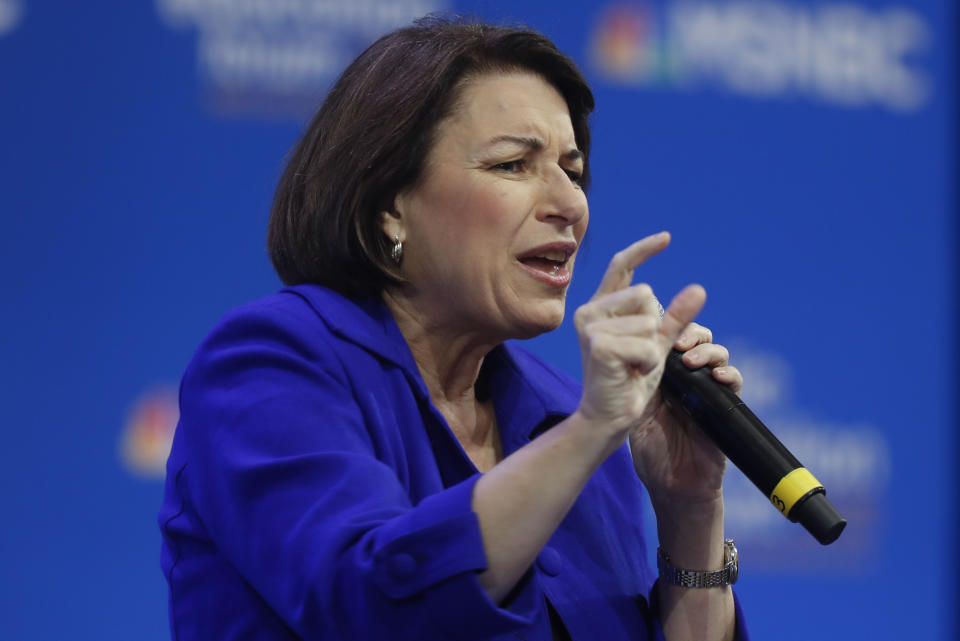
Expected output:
(550, 561)
(401, 567)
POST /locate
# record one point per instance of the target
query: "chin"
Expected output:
(546, 318)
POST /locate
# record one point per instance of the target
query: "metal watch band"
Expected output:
(701, 578)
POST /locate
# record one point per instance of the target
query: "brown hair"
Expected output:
(371, 136)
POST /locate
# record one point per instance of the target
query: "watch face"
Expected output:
(733, 561)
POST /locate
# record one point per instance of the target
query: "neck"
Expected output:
(449, 358)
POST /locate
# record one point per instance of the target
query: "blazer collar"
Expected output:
(525, 390)
(366, 322)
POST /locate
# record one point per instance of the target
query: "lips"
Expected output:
(549, 262)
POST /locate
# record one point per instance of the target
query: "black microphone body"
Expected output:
(750, 446)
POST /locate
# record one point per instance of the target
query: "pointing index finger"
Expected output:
(619, 273)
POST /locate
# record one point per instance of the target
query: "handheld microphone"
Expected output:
(752, 447)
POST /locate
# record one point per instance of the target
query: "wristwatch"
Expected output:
(700, 578)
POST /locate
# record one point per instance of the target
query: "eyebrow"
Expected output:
(534, 144)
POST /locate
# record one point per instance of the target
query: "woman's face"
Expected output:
(491, 230)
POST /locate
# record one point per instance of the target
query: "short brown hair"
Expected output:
(370, 139)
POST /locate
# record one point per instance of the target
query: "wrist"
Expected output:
(598, 430)
(680, 517)
(691, 533)
(710, 578)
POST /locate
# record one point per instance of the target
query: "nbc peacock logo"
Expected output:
(841, 54)
(627, 46)
(148, 432)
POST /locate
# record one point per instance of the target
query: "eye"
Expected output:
(511, 166)
(575, 176)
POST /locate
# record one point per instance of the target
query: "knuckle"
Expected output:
(619, 260)
(593, 330)
(601, 344)
(643, 291)
(699, 332)
(582, 316)
(646, 358)
(647, 324)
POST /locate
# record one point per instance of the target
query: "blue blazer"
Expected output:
(314, 492)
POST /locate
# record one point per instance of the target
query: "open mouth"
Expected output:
(551, 261)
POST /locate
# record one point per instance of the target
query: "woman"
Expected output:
(361, 456)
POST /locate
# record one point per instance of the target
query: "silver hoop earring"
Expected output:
(396, 252)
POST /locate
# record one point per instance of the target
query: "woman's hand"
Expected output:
(673, 457)
(624, 342)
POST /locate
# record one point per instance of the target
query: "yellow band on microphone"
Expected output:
(793, 487)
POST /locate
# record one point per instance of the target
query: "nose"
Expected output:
(564, 202)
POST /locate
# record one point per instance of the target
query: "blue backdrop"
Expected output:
(802, 154)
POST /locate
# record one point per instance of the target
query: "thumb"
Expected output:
(683, 308)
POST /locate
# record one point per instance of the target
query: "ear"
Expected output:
(391, 222)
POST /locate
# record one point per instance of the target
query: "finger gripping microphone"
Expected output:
(752, 447)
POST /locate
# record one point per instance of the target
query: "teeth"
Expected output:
(558, 256)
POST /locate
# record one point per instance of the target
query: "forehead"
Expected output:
(515, 103)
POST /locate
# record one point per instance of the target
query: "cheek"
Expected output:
(484, 218)
(467, 223)
(461, 233)
(491, 206)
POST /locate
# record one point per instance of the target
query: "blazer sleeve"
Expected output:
(282, 472)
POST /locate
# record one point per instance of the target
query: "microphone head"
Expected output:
(821, 519)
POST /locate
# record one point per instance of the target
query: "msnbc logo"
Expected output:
(840, 54)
